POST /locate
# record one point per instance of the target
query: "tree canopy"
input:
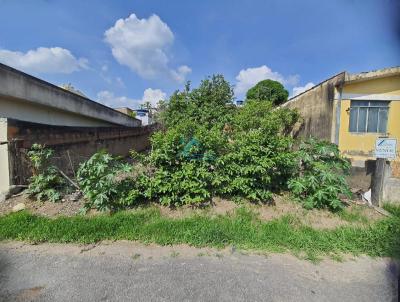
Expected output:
(268, 90)
(209, 104)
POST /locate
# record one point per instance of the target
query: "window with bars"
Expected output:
(368, 116)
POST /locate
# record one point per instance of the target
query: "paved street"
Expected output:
(125, 271)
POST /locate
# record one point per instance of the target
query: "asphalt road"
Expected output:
(128, 272)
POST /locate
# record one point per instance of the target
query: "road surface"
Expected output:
(123, 271)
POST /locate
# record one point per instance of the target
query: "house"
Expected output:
(35, 111)
(239, 103)
(24, 97)
(352, 111)
(144, 115)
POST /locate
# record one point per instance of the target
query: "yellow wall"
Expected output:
(360, 146)
(388, 86)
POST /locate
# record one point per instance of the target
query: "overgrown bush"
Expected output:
(209, 147)
(46, 182)
(184, 155)
(320, 180)
(105, 181)
(212, 148)
(183, 168)
(258, 159)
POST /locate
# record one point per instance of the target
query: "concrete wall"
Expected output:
(4, 172)
(124, 110)
(17, 85)
(35, 113)
(72, 145)
(316, 107)
(361, 177)
(391, 191)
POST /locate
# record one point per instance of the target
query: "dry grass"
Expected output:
(282, 206)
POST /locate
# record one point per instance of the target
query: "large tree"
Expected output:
(268, 90)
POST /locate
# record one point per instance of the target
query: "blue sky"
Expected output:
(157, 45)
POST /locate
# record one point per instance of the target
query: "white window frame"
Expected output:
(365, 129)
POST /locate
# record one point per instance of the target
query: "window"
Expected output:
(368, 116)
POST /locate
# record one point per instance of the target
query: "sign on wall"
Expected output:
(385, 148)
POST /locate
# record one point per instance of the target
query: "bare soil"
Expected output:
(44, 208)
(282, 205)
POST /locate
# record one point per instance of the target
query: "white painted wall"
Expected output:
(16, 85)
(4, 173)
(35, 113)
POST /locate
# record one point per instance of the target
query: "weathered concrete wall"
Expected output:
(391, 186)
(31, 112)
(72, 145)
(15, 84)
(316, 108)
(391, 191)
(4, 172)
(361, 177)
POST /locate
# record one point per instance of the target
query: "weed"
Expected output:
(320, 181)
(174, 254)
(98, 179)
(353, 215)
(337, 257)
(45, 183)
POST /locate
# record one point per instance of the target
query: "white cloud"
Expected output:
(109, 99)
(249, 77)
(149, 95)
(142, 44)
(153, 96)
(43, 60)
(180, 74)
(292, 80)
(300, 89)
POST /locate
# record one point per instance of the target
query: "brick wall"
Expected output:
(72, 145)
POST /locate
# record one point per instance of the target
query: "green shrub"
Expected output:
(213, 148)
(183, 168)
(46, 182)
(246, 153)
(104, 180)
(209, 147)
(320, 180)
(259, 159)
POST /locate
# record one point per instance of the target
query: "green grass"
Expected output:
(243, 230)
(353, 215)
(393, 209)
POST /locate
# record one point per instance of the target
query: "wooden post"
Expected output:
(378, 181)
